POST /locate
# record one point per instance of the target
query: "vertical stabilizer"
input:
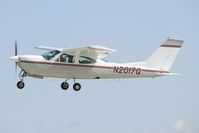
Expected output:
(164, 56)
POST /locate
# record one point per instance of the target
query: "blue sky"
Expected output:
(135, 29)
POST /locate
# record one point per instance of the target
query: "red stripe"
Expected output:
(63, 64)
(172, 46)
(91, 66)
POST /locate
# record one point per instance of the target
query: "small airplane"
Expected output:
(88, 63)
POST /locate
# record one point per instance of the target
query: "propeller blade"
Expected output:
(16, 52)
(15, 68)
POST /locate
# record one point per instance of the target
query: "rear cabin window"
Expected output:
(86, 60)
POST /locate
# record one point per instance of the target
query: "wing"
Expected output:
(48, 48)
(94, 51)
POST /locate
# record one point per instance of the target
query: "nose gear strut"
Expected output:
(21, 84)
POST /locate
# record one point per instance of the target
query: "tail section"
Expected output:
(164, 56)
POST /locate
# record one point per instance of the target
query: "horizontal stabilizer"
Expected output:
(174, 74)
(168, 74)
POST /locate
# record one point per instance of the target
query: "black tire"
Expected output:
(20, 84)
(64, 85)
(76, 86)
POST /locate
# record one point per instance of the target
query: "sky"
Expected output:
(135, 28)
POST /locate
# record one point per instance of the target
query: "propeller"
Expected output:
(16, 52)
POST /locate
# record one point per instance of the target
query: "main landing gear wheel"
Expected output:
(20, 84)
(64, 85)
(76, 86)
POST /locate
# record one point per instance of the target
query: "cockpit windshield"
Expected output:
(51, 54)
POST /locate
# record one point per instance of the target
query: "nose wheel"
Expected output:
(20, 84)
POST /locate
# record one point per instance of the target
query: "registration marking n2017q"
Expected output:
(126, 70)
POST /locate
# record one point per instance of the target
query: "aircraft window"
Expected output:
(66, 58)
(50, 55)
(86, 60)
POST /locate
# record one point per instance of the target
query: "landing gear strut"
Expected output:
(21, 84)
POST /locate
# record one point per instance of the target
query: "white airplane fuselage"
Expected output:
(37, 66)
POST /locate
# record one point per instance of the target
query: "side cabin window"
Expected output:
(86, 60)
(67, 58)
